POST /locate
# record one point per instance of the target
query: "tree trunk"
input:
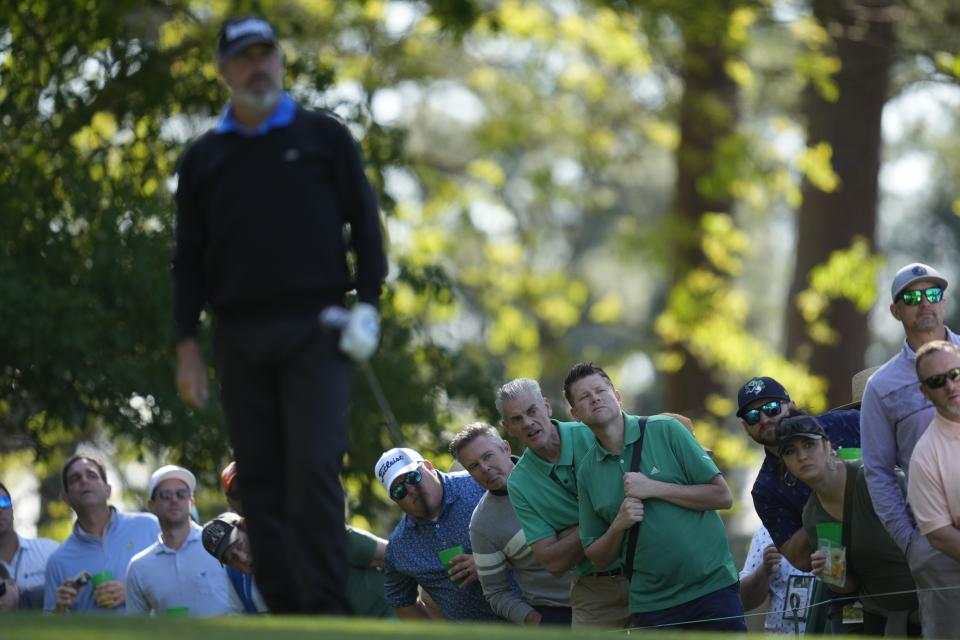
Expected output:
(708, 114)
(863, 40)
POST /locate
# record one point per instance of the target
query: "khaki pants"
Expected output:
(600, 601)
(939, 610)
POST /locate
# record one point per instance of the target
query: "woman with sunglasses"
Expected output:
(874, 563)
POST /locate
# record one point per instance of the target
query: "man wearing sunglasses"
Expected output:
(777, 496)
(175, 573)
(894, 415)
(25, 560)
(934, 482)
(430, 546)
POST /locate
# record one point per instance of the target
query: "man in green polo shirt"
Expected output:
(543, 492)
(683, 573)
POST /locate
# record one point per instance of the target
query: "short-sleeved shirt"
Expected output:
(934, 484)
(787, 578)
(778, 497)
(873, 557)
(161, 578)
(544, 494)
(28, 567)
(126, 535)
(682, 554)
(411, 557)
(364, 583)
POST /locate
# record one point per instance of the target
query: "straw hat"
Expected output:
(858, 384)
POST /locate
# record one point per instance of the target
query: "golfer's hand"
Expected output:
(360, 337)
(463, 569)
(193, 382)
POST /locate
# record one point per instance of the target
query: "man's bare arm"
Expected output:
(560, 553)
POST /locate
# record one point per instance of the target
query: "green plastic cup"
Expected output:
(848, 453)
(832, 531)
(98, 579)
(446, 555)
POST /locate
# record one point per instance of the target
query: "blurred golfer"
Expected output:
(268, 203)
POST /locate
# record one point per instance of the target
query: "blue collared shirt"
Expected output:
(28, 567)
(778, 497)
(161, 578)
(411, 557)
(126, 535)
(282, 116)
(895, 414)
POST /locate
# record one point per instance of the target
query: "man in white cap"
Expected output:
(89, 570)
(430, 546)
(894, 415)
(276, 222)
(175, 575)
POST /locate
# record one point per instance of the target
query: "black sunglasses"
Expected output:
(937, 381)
(915, 296)
(399, 492)
(770, 410)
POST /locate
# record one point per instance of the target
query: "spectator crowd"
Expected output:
(609, 520)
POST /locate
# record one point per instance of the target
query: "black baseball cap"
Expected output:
(220, 533)
(764, 388)
(799, 427)
(240, 32)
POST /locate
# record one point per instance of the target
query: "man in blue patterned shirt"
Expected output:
(778, 497)
(430, 546)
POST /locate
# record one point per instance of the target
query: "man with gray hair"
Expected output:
(543, 491)
(499, 545)
(894, 415)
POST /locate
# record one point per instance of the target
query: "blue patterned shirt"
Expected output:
(411, 557)
(778, 497)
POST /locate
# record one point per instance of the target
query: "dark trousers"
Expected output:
(285, 389)
(723, 604)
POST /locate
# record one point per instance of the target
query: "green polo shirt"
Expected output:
(544, 494)
(682, 554)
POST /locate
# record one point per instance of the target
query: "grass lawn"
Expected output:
(91, 627)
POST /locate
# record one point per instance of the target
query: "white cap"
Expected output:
(394, 463)
(171, 472)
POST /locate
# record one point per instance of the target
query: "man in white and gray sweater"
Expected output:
(531, 595)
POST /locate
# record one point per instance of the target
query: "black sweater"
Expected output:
(262, 223)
